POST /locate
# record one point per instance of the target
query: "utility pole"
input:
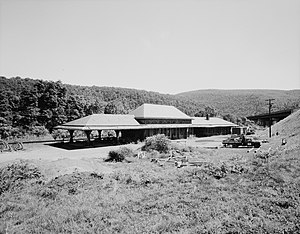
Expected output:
(270, 118)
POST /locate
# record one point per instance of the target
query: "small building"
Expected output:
(209, 126)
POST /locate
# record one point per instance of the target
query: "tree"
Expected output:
(210, 111)
(5, 107)
(97, 107)
(74, 107)
(29, 110)
(200, 113)
(115, 107)
(231, 118)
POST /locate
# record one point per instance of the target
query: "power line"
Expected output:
(270, 118)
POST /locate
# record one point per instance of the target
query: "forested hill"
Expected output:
(244, 102)
(29, 106)
(35, 106)
(122, 100)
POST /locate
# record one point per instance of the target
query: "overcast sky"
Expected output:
(166, 46)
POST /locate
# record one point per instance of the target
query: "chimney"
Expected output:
(207, 116)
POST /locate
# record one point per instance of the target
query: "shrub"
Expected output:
(46, 192)
(12, 174)
(157, 142)
(115, 156)
(60, 134)
(127, 152)
(8, 132)
(38, 131)
(119, 155)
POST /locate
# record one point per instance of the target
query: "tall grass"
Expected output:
(142, 197)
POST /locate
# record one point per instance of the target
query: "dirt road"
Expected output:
(55, 161)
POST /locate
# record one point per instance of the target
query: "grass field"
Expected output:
(232, 191)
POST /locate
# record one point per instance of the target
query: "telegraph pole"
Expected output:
(270, 118)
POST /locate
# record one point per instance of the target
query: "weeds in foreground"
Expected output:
(13, 175)
(141, 197)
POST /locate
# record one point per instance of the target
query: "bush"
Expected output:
(60, 134)
(127, 152)
(12, 174)
(119, 155)
(157, 142)
(8, 132)
(38, 131)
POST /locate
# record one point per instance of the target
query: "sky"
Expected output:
(166, 46)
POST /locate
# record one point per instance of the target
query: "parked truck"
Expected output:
(240, 140)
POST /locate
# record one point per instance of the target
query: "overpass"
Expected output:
(263, 119)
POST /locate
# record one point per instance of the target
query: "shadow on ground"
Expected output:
(82, 145)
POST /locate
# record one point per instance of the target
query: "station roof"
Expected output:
(152, 111)
(123, 122)
(124, 127)
(211, 122)
(101, 120)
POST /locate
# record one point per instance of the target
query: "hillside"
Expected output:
(92, 99)
(32, 107)
(290, 126)
(231, 191)
(36, 106)
(288, 129)
(244, 102)
(133, 98)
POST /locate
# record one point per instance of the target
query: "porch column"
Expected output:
(71, 136)
(88, 135)
(192, 131)
(118, 135)
(99, 134)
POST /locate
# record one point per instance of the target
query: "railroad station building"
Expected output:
(148, 120)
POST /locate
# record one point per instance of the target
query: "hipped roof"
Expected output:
(98, 120)
(152, 111)
(116, 127)
(211, 122)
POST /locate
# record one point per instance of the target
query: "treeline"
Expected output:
(29, 106)
(245, 102)
(35, 107)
